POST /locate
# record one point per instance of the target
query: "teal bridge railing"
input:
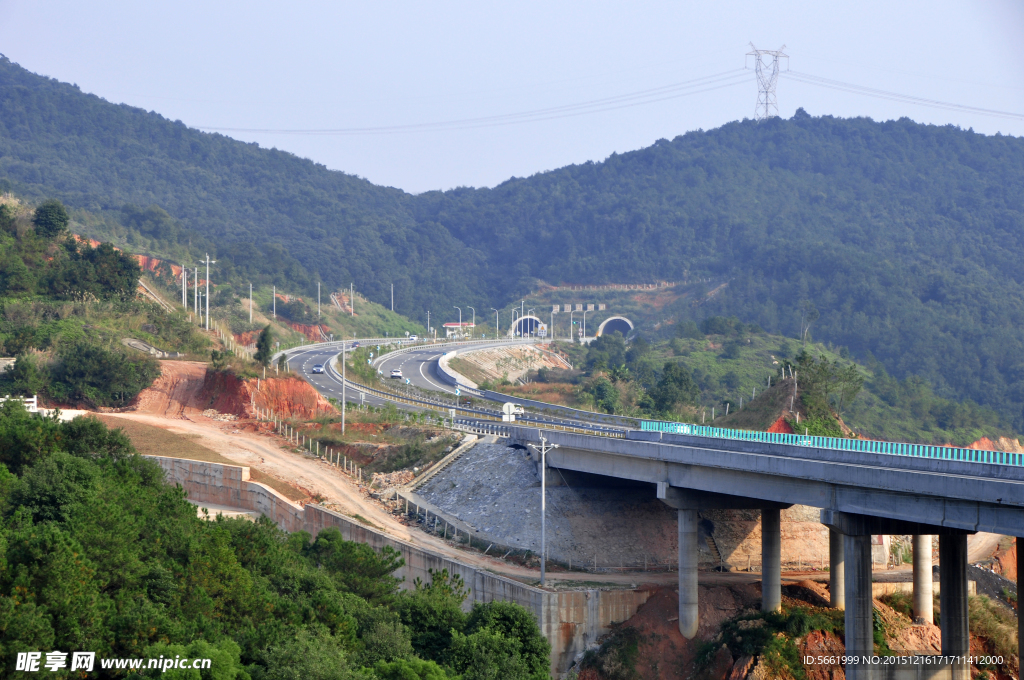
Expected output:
(839, 443)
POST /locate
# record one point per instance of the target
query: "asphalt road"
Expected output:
(419, 366)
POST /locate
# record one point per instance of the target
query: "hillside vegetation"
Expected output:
(730, 374)
(101, 554)
(899, 241)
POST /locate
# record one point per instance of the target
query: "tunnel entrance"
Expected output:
(524, 327)
(615, 323)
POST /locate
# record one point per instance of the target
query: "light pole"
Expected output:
(275, 300)
(343, 386)
(529, 332)
(585, 323)
(317, 300)
(195, 296)
(571, 312)
(474, 317)
(250, 303)
(208, 263)
(497, 328)
(514, 312)
(552, 324)
(428, 322)
(392, 297)
(543, 504)
(460, 318)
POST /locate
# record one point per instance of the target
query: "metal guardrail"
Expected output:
(839, 444)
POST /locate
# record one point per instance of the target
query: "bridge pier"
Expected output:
(953, 595)
(857, 531)
(860, 640)
(771, 560)
(923, 604)
(689, 502)
(836, 570)
(689, 619)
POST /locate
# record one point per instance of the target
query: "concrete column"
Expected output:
(923, 608)
(953, 594)
(771, 560)
(860, 640)
(688, 617)
(836, 570)
(1020, 627)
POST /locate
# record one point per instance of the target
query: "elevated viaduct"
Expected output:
(890, 489)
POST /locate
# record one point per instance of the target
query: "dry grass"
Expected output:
(995, 624)
(150, 440)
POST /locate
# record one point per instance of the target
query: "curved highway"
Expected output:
(419, 365)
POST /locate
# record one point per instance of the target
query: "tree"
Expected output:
(264, 346)
(50, 219)
(676, 386)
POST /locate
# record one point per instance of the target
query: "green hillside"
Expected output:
(897, 241)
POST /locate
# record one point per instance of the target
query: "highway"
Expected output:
(419, 364)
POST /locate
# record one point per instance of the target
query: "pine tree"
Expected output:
(264, 348)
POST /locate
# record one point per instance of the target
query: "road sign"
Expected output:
(407, 381)
(542, 330)
(457, 392)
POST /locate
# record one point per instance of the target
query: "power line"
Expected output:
(639, 98)
(809, 79)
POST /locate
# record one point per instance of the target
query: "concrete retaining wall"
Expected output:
(570, 620)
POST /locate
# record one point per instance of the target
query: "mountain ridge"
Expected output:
(902, 240)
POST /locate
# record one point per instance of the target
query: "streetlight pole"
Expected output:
(250, 303)
(275, 300)
(208, 263)
(543, 504)
(474, 317)
(343, 386)
(195, 296)
(530, 312)
(585, 323)
(571, 312)
(497, 328)
(392, 297)
(552, 324)
(317, 300)
(514, 312)
(460, 317)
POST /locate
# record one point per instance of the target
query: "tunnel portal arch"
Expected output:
(524, 325)
(615, 323)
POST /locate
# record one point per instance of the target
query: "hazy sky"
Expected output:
(345, 65)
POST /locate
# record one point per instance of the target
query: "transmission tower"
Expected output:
(766, 65)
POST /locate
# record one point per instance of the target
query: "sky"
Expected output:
(385, 74)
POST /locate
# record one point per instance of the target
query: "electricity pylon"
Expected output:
(766, 65)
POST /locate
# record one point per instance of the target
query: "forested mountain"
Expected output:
(897, 240)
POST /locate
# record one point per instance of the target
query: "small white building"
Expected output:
(459, 331)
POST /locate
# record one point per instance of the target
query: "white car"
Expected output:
(414, 338)
(396, 373)
(318, 368)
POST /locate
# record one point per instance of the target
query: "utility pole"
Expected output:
(428, 321)
(343, 386)
(250, 303)
(318, 299)
(766, 66)
(543, 504)
(460, 318)
(184, 288)
(208, 263)
(275, 300)
(392, 297)
(195, 293)
(352, 297)
(474, 318)
(497, 327)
